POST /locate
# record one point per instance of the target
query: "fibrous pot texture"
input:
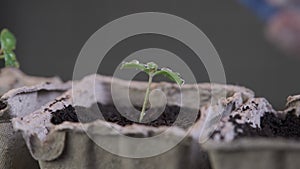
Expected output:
(18, 103)
(251, 134)
(59, 143)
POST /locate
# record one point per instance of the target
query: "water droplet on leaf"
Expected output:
(183, 82)
(166, 69)
(135, 62)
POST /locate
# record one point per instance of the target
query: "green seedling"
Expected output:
(8, 45)
(152, 70)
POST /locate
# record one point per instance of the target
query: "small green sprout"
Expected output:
(152, 70)
(8, 45)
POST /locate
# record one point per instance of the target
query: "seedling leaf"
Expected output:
(134, 64)
(8, 40)
(10, 59)
(174, 76)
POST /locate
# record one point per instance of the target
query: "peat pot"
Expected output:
(17, 103)
(58, 141)
(255, 153)
(244, 147)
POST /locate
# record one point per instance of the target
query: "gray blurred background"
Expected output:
(50, 35)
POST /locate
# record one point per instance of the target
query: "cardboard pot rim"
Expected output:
(14, 78)
(253, 144)
(9, 97)
(258, 143)
(52, 146)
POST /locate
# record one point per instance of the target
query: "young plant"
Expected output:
(8, 45)
(152, 70)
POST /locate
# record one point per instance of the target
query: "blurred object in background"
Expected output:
(262, 8)
(283, 22)
(284, 2)
(284, 30)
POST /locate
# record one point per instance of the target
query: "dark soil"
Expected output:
(2, 105)
(167, 118)
(66, 114)
(111, 114)
(272, 126)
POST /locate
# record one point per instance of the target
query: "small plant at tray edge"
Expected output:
(8, 45)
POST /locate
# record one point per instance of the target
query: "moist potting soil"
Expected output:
(2, 105)
(111, 114)
(66, 114)
(271, 125)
